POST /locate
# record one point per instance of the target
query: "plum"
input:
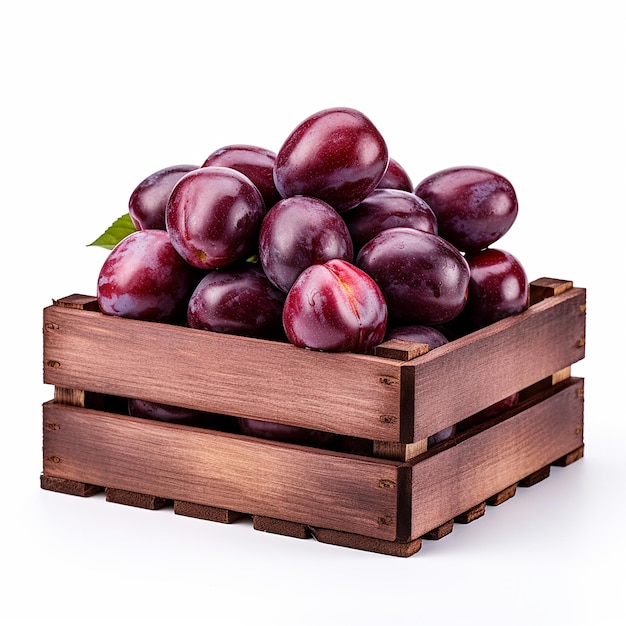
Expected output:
(255, 162)
(335, 307)
(474, 206)
(237, 301)
(285, 433)
(423, 277)
(145, 278)
(336, 155)
(498, 287)
(213, 216)
(395, 177)
(147, 202)
(298, 232)
(388, 208)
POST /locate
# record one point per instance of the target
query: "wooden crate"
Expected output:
(387, 498)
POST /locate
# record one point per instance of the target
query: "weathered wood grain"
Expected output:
(451, 482)
(344, 393)
(222, 470)
(473, 372)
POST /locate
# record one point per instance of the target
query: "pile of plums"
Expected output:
(326, 244)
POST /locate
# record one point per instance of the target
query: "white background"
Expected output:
(96, 96)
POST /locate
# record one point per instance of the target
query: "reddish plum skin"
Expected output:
(423, 277)
(213, 216)
(298, 232)
(388, 208)
(162, 412)
(238, 301)
(498, 287)
(395, 177)
(474, 206)
(145, 278)
(285, 433)
(147, 203)
(419, 334)
(255, 162)
(335, 307)
(336, 155)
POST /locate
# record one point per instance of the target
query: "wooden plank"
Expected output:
(400, 349)
(547, 287)
(280, 527)
(345, 393)
(223, 470)
(209, 513)
(473, 372)
(134, 498)
(370, 544)
(69, 487)
(451, 482)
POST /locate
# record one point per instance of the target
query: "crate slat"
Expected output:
(470, 373)
(451, 482)
(222, 373)
(316, 487)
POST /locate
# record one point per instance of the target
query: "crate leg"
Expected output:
(535, 477)
(369, 544)
(69, 487)
(472, 514)
(132, 498)
(502, 496)
(440, 531)
(571, 457)
(210, 513)
(280, 527)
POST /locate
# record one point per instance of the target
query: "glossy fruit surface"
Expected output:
(335, 307)
(388, 208)
(336, 155)
(255, 162)
(145, 278)
(162, 412)
(498, 287)
(239, 301)
(423, 277)
(147, 202)
(213, 216)
(395, 177)
(298, 232)
(285, 433)
(474, 206)
(419, 334)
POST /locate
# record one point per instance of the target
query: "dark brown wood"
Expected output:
(223, 470)
(401, 349)
(369, 544)
(133, 498)
(502, 496)
(281, 527)
(547, 287)
(535, 477)
(78, 301)
(473, 372)
(383, 399)
(440, 532)
(209, 513)
(461, 476)
(471, 514)
(69, 487)
(349, 394)
(393, 400)
(570, 457)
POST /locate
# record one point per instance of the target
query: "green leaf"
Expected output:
(121, 228)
